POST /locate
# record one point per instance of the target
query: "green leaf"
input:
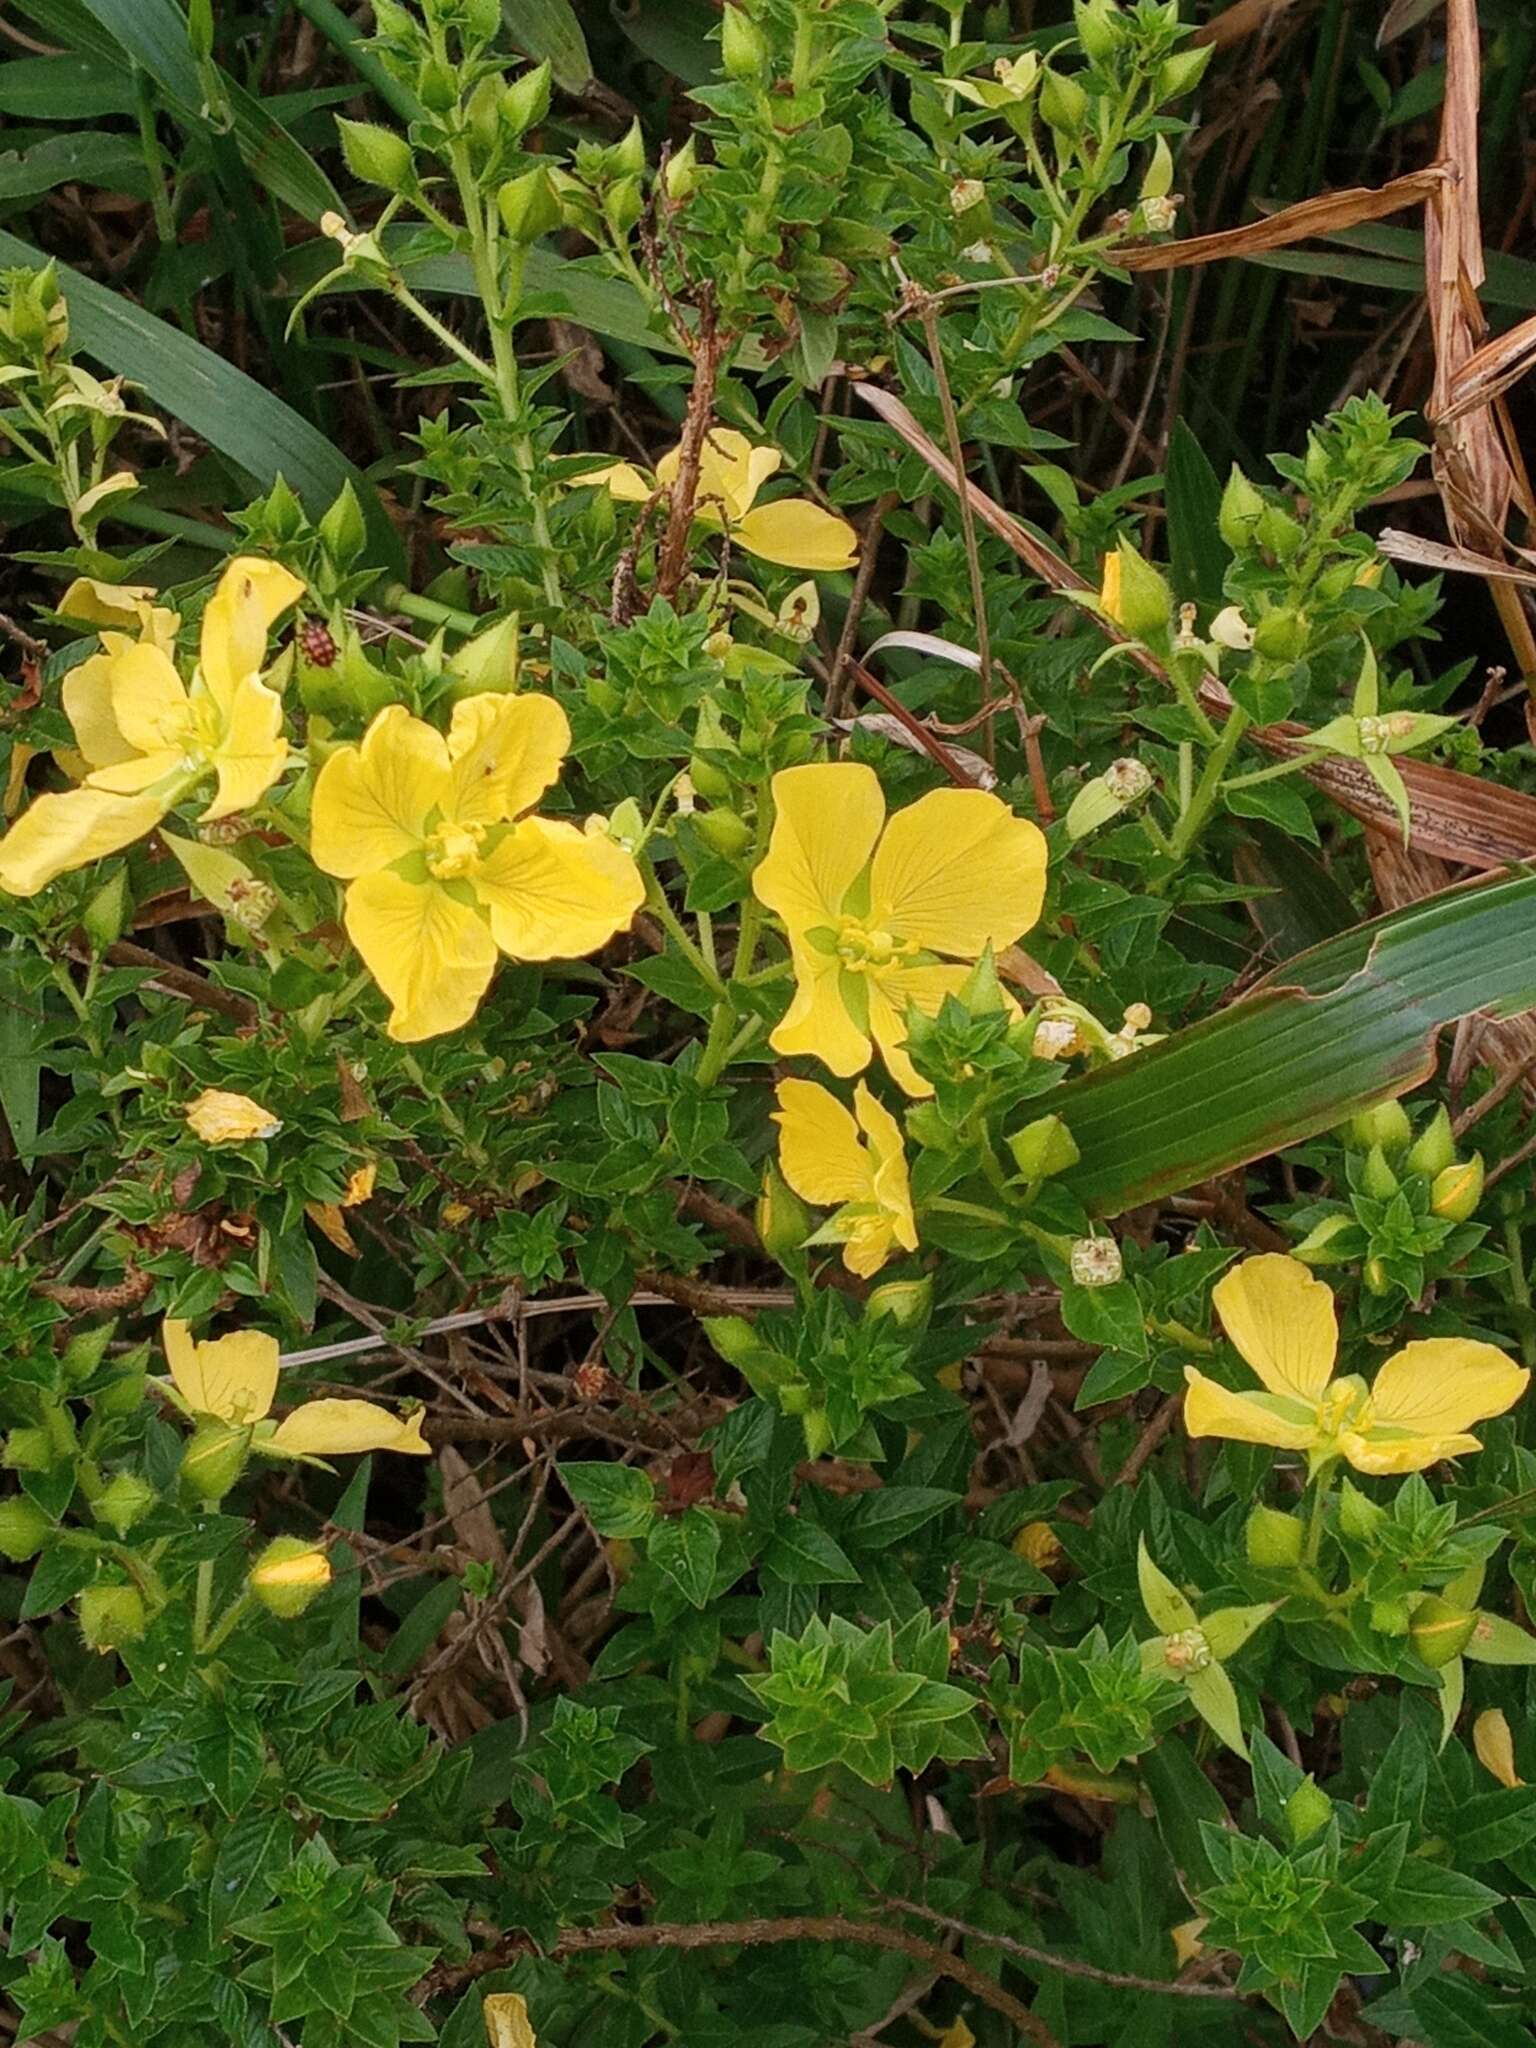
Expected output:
(1196, 552)
(1498, 1641)
(1456, 2012)
(893, 1513)
(20, 1068)
(686, 1548)
(549, 28)
(1214, 1699)
(620, 1500)
(231, 411)
(1337, 1028)
(1182, 1798)
(90, 157)
(1167, 1608)
(803, 1554)
(1428, 1895)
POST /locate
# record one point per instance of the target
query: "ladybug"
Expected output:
(317, 643)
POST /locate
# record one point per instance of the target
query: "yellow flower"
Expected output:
(328, 1217)
(220, 1118)
(1495, 1747)
(857, 1161)
(145, 738)
(505, 2014)
(234, 1379)
(869, 911)
(790, 531)
(1281, 1320)
(441, 878)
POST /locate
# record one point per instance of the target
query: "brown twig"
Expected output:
(709, 346)
(869, 553)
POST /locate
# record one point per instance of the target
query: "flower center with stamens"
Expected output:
(1187, 1650)
(1346, 1404)
(862, 948)
(453, 850)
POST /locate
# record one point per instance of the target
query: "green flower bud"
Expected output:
(1377, 1178)
(724, 830)
(708, 780)
(1359, 1518)
(623, 204)
(1136, 596)
(816, 1427)
(626, 158)
(1434, 1149)
(1182, 72)
(123, 1394)
(1307, 1810)
(213, 1459)
(105, 917)
(1384, 1123)
(1044, 1147)
(681, 176)
(529, 206)
(342, 527)
(84, 1352)
(783, 1223)
(482, 18)
(1376, 1277)
(743, 50)
(289, 1576)
(29, 1450)
(123, 1501)
(111, 1616)
(1279, 532)
(437, 84)
(377, 155)
(1241, 510)
(526, 101)
(733, 1337)
(1456, 1192)
(488, 661)
(1063, 103)
(908, 1303)
(1316, 1249)
(1273, 1539)
(1281, 636)
(1390, 1617)
(1440, 1631)
(1100, 28)
(24, 1529)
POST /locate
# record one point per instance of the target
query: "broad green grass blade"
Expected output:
(79, 87)
(114, 163)
(549, 28)
(1196, 550)
(1346, 1024)
(231, 411)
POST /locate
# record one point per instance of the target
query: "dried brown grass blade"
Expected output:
(1434, 554)
(1242, 19)
(1490, 370)
(1327, 214)
(1403, 15)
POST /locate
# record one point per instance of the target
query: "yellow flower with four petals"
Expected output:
(233, 1379)
(855, 1160)
(1280, 1319)
(146, 739)
(444, 872)
(871, 905)
(790, 531)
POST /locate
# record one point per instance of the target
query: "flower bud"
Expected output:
(529, 206)
(1063, 103)
(1279, 532)
(1440, 1631)
(1377, 1178)
(213, 1459)
(111, 1616)
(28, 1450)
(906, 1302)
(1359, 1518)
(1096, 1262)
(1281, 635)
(1182, 72)
(123, 1501)
(1273, 1539)
(1044, 1147)
(289, 1576)
(783, 1222)
(681, 176)
(1316, 1248)
(24, 1529)
(725, 830)
(733, 1337)
(1100, 28)
(526, 101)
(105, 916)
(1135, 595)
(437, 84)
(377, 155)
(1385, 1124)
(1456, 1192)
(743, 51)
(1307, 1810)
(488, 661)
(1378, 1280)
(123, 1394)
(1242, 507)
(1389, 1616)
(623, 204)
(1434, 1149)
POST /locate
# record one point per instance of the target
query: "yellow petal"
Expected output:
(820, 1152)
(1109, 592)
(233, 1378)
(87, 695)
(505, 2014)
(956, 872)
(371, 801)
(1439, 1386)
(1385, 1451)
(238, 619)
(1280, 1319)
(140, 773)
(956, 2035)
(817, 1021)
(868, 1241)
(321, 1428)
(329, 1221)
(827, 819)
(623, 481)
(506, 751)
(798, 535)
(149, 701)
(125, 607)
(1212, 1410)
(432, 955)
(361, 1182)
(251, 750)
(22, 757)
(892, 1187)
(221, 1118)
(553, 893)
(71, 830)
(1495, 1746)
(731, 473)
(891, 991)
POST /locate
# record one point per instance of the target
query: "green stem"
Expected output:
(341, 35)
(1208, 788)
(1312, 1548)
(202, 1603)
(656, 903)
(403, 295)
(154, 162)
(226, 1624)
(395, 597)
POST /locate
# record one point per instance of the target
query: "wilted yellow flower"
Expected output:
(1038, 1544)
(856, 1161)
(289, 1576)
(328, 1217)
(220, 1118)
(869, 911)
(1418, 1409)
(506, 2020)
(145, 738)
(1495, 1747)
(441, 878)
(234, 1380)
(790, 531)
